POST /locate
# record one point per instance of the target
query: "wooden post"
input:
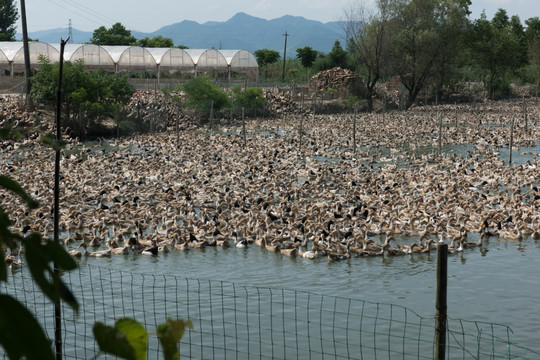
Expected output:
(456, 115)
(511, 140)
(118, 118)
(178, 127)
(440, 302)
(440, 133)
(354, 133)
(301, 131)
(211, 113)
(244, 127)
(525, 114)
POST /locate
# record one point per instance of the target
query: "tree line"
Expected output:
(429, 45)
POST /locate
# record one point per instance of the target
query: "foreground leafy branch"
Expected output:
(128, 338)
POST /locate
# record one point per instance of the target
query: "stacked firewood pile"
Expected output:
(281, 103)
(344, 81)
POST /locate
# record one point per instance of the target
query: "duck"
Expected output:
(13, 262)
(240, 243)
(95, 242)
(511, 234)
(102, 253)
(388, 250)
(151, 250)
(470, 244)
(292, 252)
(271, 247)
(194, 243)
(224, 243)
(307, 254)
(180, 246)
(118, 250)
(163, 248)
(74, 253)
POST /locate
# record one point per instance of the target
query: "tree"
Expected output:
(533, 28)
(494, 47)
(116, 35)
(266, 57)
(8, 18)
(156, 42)
(423, 29)
(367, 37)
(97, 94)
(532, 34)
(307, 56)
(338, 56)
(518, 32)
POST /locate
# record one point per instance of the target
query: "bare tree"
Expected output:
(367, 30)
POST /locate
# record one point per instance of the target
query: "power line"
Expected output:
(81, 15)
(85, 12)
(93, 12)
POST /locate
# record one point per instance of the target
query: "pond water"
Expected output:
(497, 283)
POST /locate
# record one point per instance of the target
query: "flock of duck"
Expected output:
(293, 185)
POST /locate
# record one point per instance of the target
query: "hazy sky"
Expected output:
(148, 15)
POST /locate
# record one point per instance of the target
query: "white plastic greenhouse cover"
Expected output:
(14, 53)
(172, 58)
(131, 58)
(208, 59)
(93, 56)
(239, 59)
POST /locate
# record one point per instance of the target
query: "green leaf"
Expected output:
(50, 139)
(9, 184)
(40, 258)
(113, 341)
(20, 333)
(136, 335)
(59, 255)
(169, 335)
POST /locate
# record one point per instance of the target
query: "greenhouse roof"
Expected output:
(128, 58)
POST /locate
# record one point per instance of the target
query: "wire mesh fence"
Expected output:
(233, 321)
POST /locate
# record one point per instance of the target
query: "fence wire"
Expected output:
(233, 321)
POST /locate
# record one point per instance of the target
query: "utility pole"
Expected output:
(284, 56)
(56, 209)
(26, 55)
(70, 36)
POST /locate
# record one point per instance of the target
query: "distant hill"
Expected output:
(242, 31)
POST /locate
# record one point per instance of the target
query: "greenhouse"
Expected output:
(12, 55)
(133, 59)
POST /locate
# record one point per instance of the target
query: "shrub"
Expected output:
(251, 98)
(200, 92)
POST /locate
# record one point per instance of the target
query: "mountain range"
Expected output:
(242, 31)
